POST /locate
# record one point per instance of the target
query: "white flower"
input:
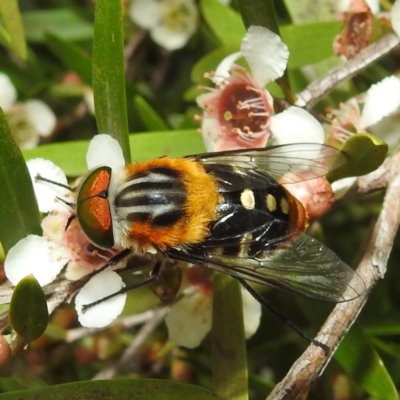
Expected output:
(40, 116)
(379, 114)
(395, 17)
(239, 112)
(45, 256)
(29, 120)
(190, 318)
(381, 100)
(8, 93)
(101, 285)
(171, 22)
(344, 5)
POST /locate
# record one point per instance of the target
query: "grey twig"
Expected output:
(130, 351)
(319, 88)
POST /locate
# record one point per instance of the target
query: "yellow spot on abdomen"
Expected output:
(270, 202)
(284, 205)
(247, 199)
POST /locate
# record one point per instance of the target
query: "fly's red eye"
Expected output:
(93, 208)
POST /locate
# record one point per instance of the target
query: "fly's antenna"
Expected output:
(38, 177)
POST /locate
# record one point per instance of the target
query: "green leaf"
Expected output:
(72, 56)
(71, 156)
(360, 360)
(19, 215)
(149, 116)
(366, 153)
(229, 363)
(304, 11)
(28, 309)
(62, 22)
(225, 23)
(109, 74)
(11, 19)
(309, 43)
(121, 389)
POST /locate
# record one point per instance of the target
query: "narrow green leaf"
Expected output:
(19, 215)
(72, 56)
(121, 389)
(360, 360)
(383, 329)
(229, 363)
(61, 22)
(226, 23)
(11, 19)
(366, 153)
(259, 13)
(28, 309)
(109, 74)
(149, 116)
(71, 156)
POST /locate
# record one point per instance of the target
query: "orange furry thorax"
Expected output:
(199, 207)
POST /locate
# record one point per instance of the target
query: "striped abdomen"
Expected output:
(256, 213)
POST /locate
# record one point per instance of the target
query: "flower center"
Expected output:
(175, 16)
(243, 111)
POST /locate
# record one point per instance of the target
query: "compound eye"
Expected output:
(93, 208)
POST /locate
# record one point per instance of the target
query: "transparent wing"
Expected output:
(287, 160)
(294, 262)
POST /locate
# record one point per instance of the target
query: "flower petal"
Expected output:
(8, 93)
(145, 13)
(210, 130)
(382, 99)
(251, 313)
(89, 99)
(41, 116)
(223, 70)
(266, 54)
(341, 187)
(373, 5)
(34, 255)
(101, 285)
(296, 125)
(395, 17)
(170, 39)
(47, 193)
(189, 320)
(344, 5)
(388, 130)
(105, 151)
(178, 21)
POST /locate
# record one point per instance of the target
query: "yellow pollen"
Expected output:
(228, 115)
